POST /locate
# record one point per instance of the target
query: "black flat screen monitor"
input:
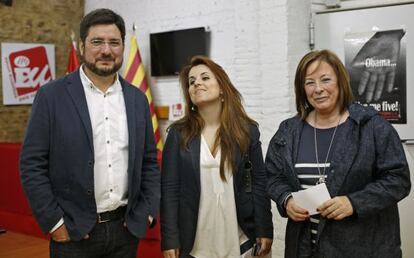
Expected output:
(171, 50)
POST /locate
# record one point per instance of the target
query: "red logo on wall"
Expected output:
(30, 69)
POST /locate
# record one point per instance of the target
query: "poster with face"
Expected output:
(376, 62)
(25, 68)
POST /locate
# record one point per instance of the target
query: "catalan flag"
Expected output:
(135, 74)
(73, 62)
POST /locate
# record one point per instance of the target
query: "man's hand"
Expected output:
(60, 234)
(171, 253)
(336, 208)
(378, 60)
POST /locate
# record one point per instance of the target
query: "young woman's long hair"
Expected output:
(233, 133)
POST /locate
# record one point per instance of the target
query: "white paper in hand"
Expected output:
(311, 198)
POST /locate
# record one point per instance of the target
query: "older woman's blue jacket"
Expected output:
(368, 166)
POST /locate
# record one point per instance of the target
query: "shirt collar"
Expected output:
(88, 84)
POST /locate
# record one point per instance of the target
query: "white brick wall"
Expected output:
(258, 42)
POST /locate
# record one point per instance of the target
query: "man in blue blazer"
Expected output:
(88, 162)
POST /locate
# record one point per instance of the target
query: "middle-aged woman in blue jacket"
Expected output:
(349, 148)
(213, 187)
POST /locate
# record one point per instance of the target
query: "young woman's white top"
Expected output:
(218, 234)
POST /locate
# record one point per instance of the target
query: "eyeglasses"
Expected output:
(100, 43)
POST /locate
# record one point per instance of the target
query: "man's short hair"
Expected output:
(98, 17)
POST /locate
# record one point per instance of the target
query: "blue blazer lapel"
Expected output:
(195, 156)
(129, 99)
(75, 90)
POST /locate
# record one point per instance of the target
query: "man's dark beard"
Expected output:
(102, 72)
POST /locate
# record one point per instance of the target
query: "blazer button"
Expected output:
(90, 163)
(333, 171)
(89, 192)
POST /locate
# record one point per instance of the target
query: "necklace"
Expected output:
(321, 179)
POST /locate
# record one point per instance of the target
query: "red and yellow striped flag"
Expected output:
(135, 74)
